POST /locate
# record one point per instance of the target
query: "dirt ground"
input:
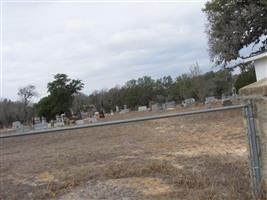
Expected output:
(194, 157)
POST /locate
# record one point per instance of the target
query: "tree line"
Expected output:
(232, 25)
(65, 96)
(142, 91)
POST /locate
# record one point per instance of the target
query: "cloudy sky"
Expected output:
(103, 44)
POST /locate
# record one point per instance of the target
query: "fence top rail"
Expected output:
(124, 121)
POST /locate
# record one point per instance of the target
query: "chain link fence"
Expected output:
(178, 156)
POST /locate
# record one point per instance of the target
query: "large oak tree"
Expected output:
(233, 25)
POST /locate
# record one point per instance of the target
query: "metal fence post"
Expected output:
(254, 153)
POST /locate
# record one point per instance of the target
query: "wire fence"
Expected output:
(168, 156)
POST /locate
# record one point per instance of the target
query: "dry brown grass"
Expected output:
(213, 180)
(199, 157)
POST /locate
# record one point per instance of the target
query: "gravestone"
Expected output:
(142, 108)
(58, 118)
(59, 124)
(59, 121)
(96, 114)
(79, 122)
(16, 125)
(169, 105)
(84, 115)
(156, 107)
(92, 120)
(124, 111)
(40, 126)
(62, 116)
(234, 92)
(43, 120)
(209, 101)
(189, 102)
(36, 120)
(20, 128)
(117, 109)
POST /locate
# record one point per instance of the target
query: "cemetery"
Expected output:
(40, 123)
(150, 107)
(123, 158)
(76, 152)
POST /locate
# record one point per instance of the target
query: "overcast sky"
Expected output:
(103, 44)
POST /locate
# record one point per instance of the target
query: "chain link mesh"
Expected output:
(192, 157)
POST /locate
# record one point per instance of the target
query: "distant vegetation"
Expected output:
(14, 111)
(232, 25)
(60, 98)
(65, 96)
(247, 76)
(144, 90)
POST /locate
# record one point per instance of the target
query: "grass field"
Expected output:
(194, 157)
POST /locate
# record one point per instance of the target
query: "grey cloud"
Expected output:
(102, 44)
